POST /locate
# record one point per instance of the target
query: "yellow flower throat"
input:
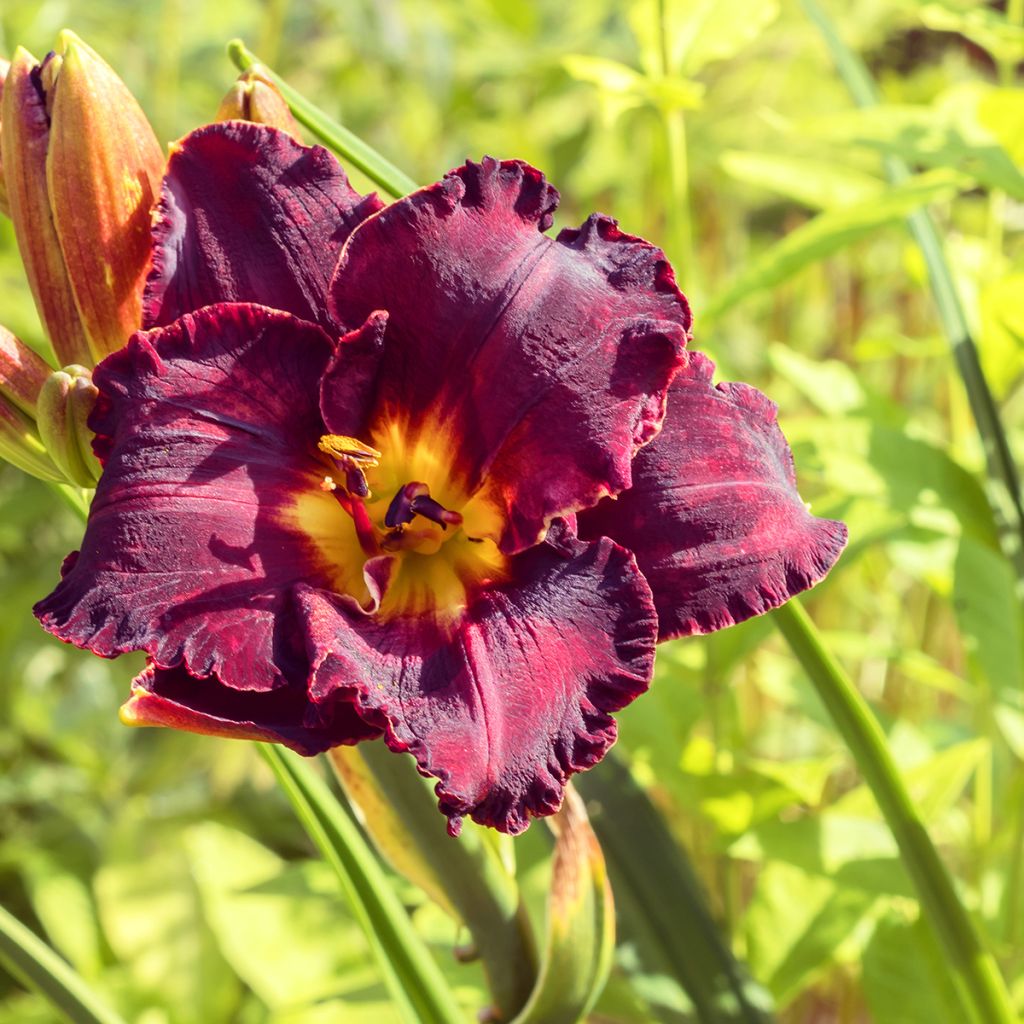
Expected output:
(406, 503)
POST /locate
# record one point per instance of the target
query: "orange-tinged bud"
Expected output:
(5, 66)
(24, 138)
(22, 373)
(103, 171)
(255, 98)
(20, 444)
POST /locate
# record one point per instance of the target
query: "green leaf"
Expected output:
(837, 934)
(903, 958)
(30, 960)
(1002, 329)
(698, 32)
(414, 979)
(63, 904)
(990, 29)
(276, 924)
(922, 136)
(467, 876)
(581, 923)
(1001, 111)
(152, 918)
(818, 184)
(989, 617)
(827, 383)
(829, 232)
(661, 906)
(935, 785)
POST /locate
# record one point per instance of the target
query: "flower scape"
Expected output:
(417, 471)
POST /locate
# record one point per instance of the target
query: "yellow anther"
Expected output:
(328, 484)
(340, 447)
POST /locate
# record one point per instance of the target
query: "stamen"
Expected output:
(400, 512)
(414, 500)
(361, 520)
(436, 512)
(340, 447)
(328, 484)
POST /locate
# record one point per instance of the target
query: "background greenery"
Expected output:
(168, 869)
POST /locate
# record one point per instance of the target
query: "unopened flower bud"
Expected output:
(80, 404)
(5, 66)
(82, 167)
(255, 98)
(22, 373)
(24, 139)
(57, 420)
(21, 446)
(103, 172)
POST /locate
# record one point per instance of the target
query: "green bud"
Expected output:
(57, 426)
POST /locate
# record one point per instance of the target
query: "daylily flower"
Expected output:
(359, 474)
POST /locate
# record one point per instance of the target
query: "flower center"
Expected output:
(438, 532)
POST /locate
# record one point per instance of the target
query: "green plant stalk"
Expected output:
(976, 968)
(679, 219)
(1004, 490)
(414, 979)
(661, 905)
(465, 876)
(32, 962)
(336, 136)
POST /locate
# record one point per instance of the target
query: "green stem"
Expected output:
(981, 981)
(466, 876)
(32, 962)
(680, 247)
(409, 969)
(1004, 488)
(378, 169)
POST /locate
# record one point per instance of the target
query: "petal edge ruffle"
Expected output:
(542, 364)
(504, 706)
(247, 214)
(714, 517)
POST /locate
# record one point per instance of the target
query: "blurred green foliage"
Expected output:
(168, 869)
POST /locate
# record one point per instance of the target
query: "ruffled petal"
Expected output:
(714, 517)
(173, 698)
(209, 506)
(247, 214)
(544, 362)
(503, 706)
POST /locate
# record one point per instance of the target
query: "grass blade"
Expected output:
(660, 902)
(1004, 489)
(465, 876)
(414, 979)
(32, 962)
(335, 136)
(980, 981)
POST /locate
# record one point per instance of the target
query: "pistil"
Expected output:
(414, 500)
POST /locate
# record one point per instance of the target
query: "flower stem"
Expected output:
(981, 982)
(413, 977)
(464, 876)
(31, 961)
(346, 144)
(1004, 490)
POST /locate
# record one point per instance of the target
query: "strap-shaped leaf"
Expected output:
(581, 923)
(467, 877)
(414, 979)
(31, 961)
(662, 908)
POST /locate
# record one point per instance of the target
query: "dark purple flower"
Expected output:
(361, 474)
